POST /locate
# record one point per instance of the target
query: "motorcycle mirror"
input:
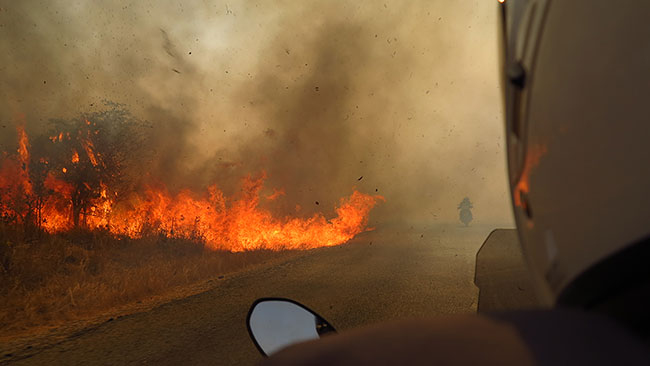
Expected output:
(275, 323)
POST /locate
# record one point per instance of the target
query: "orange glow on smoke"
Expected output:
(230, 223)
(275, 195)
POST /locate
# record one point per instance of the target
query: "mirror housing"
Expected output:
(275, 323)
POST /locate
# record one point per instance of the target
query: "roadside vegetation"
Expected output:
(50, 279)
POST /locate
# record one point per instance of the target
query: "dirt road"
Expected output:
(396, 272)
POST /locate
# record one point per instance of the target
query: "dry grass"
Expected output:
(57, 278)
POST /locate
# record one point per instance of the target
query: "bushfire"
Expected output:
(47, 197)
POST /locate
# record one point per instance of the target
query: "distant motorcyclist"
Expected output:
(465, 207)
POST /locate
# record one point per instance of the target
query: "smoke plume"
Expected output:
(397, 98)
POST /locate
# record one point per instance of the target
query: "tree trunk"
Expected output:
(76, 210)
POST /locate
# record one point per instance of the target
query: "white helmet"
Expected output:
(577, 94)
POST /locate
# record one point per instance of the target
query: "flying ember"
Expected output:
(76, 192)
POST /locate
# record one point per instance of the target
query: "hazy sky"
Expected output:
(316, 93)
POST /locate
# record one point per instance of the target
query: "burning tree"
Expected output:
(75, 170)
(91, 154)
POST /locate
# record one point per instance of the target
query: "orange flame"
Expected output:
(75, 157)
(229, 223)
(59, 137)
(23, 152)
(276, 193)
(23, 148)
(56, 216)
(239, 224)
(88, 146)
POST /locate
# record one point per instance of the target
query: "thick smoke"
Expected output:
(398, 98)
